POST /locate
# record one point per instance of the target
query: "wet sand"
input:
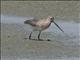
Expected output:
(15, 44)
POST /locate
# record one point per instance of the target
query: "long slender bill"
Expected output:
(58, 26)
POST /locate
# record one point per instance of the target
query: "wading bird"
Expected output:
(40, 25)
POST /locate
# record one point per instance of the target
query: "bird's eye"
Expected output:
(52, 18)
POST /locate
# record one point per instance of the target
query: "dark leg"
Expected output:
(39, 35)
(30, 35)
(42, 39)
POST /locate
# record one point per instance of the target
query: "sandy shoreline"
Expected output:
(13, 43)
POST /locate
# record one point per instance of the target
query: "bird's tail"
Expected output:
(27, 22)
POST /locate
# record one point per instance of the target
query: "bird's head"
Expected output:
(51, 18)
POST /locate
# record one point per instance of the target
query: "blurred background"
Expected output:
(61, 10)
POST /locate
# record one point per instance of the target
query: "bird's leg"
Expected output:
(39, 35)
(30, 35)
(41, 39)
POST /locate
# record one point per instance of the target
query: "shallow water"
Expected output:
(68, 27)
(71, 37)
(71, 29)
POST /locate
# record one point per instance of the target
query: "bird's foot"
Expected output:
(29, 37)
(48, 40)
(44, 40)
(40, 39)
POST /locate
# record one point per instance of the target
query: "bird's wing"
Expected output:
(32, 22)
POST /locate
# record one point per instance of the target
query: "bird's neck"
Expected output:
(48, 19)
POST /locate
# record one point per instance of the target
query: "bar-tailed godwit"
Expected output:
(40, 25)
